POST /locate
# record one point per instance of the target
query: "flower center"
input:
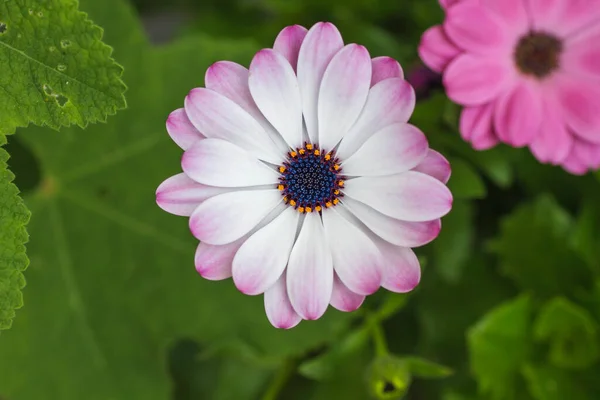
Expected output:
(310, 179)
(538, 54)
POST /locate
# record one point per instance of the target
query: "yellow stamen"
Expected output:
(282, 169)
(336, 192)
(336, 167)
(328, 204)
(340, 183)
(293, 154)
(300, 210)
(280, 187)
(292, 203)
(327, 157)
(286, 199)
(335, 201)
(308, 209)
(309, 146)
(317, 152)
(318, 208)
(302, 151)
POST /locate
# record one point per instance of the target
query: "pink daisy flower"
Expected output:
(302, 178)
(527, 73)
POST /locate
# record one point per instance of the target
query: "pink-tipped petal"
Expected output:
(474, 80)
(518, 115)
(395, 231)
(288, 43)
(180, 195)
(471, 27)
(275, 90)
(181, 129)
(279, 310)
(227, 217)
(214, 262)
(385, 68)
(554, 142)
(219, 117)
(580, 101)
(512, 13)
(409, 196)
(394, 149)
(436, 50)
(401, 272)
(434, 164)
(231, 80)
(310, 270)
(476, 126)
(575, 165)
(343, 93)
(588, 153)
(216, 162)
(260, 261)
(389, 102)
(343, 298)
(321, 43)
(356, 259)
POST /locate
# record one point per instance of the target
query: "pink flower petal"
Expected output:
(401, 272)
(448, 3)
(574, 165)
(511, 12)
(231, 80)
(436, 50)
(310, 270)
(288, 43)
(564, 18)
(180, 195)
(580, 101)
(389, 102)
(545, 14)
(395, 148)
(274, 88)
(554, 142)
(227, 217)
(216, 162)
(279, 310)
(518, 115)
(385, 68)
(181, 129)
(214, 262)
(476, 126)
(343, 298)
(473, 80)
(473, 28)
(582, 57)
(356, 259)
(409, 196)
(219, 117)
(260, 261)
(343, 93)
(321, 43)
(395, 231)
(434, 164)
(588, 153)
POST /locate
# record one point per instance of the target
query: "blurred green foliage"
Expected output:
(510, 294)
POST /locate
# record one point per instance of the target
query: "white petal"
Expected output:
(260, 261)
(227, 217)
(216, 116)
(279, 310)
(434, 164)
(356, 259)
(343, 298)
(310, 270)
(275, 90)
(216, 162)
(180, 195)
(401, 272)
(396, 148)
(321, 43)
(288, 43)
(343, 93)
(395, 231)
(214, 262)
(389, 102)
(409, 196)
(181, 129)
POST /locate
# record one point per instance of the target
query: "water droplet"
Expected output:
(3, 28)
(61, 67)
(52, 48)
(66, 83)
(65, 43)
(40, 14)
(47, 89)
(30, 11)
(61, 100)
(19, 36)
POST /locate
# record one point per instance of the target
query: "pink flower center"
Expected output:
(310, 179)
(538, 54)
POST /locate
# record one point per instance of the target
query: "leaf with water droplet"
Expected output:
(28, 53)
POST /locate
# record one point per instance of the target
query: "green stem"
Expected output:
(381, 348)
(281, 377)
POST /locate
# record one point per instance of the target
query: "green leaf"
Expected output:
(55, 69)
(549, 383)
(423, 368)
(112, 281)
(572, 332)
(452, 247)
(389, 378)
(586, 236)
(533, 247)
(13, 236)
(465, 182)
(499, 344)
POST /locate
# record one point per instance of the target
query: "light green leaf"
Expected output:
(112, 282)
(55, 69)
(389, 378)
(549, 383)
(572, 332)
(534, 250)
(423, 368)
(499, 344)
(13, 236)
